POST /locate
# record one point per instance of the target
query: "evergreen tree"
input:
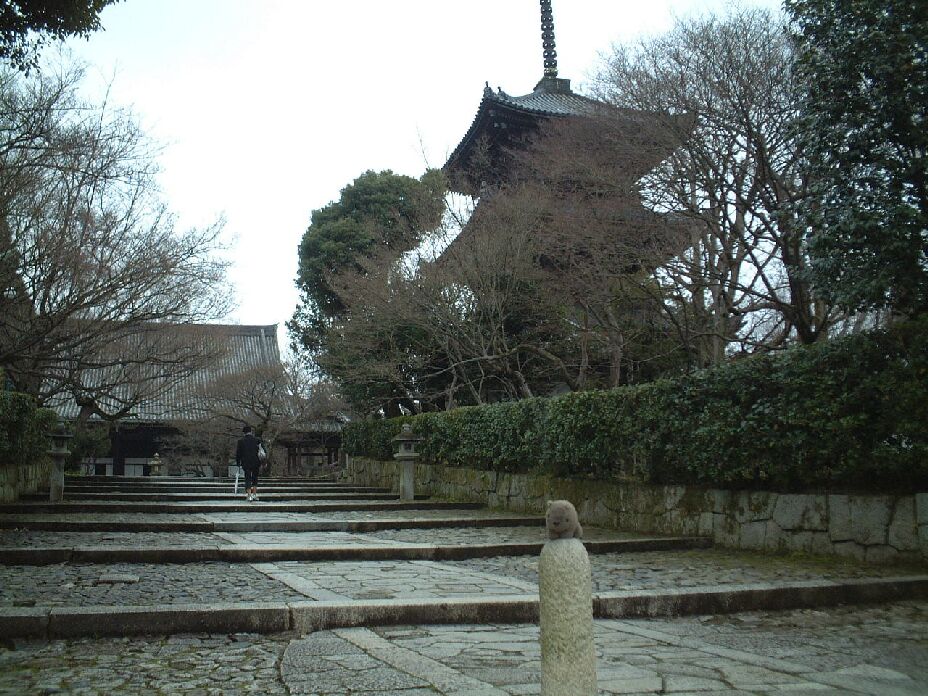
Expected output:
(863, 65)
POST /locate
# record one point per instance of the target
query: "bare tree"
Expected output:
(736, 173)
(89, 255)
(276, 400)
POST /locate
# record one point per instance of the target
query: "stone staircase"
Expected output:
(136, 556)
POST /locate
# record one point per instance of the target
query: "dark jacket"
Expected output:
(246, 452)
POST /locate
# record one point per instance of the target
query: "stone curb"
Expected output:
(62, 622)
(72, 622)
(242, 553)
(286, 526)
(243, 506)
(767, 597)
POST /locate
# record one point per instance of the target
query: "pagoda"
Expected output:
(482, 160)
(504, 122)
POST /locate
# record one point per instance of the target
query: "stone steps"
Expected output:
(262, 507)
(241, 553)
(446, 574)
(210, 488)
(308, 617)
(227, 495)
(128, 525)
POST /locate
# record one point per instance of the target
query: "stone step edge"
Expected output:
(243, 506)
(227, 496)
(222, 485)
(372, 525)
(266, 553)
(306, 617)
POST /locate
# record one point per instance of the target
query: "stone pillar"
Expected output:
(568, 657)
(59, 454)
(406, 456)
(56, 482)
(921, 522)
(408, 480)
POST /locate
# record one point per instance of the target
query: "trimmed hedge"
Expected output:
(849, 413)
(23, 429)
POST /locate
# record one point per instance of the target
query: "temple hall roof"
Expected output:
(221, 351)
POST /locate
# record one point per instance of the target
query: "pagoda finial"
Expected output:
(547, 39)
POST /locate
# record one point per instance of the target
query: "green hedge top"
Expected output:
(849, 413)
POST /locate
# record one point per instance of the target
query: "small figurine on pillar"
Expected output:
(406, 455)
(565, 588)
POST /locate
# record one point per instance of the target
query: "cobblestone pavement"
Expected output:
(158, 517)
(673, 569)
(80, 585)
(29, 539)
(192, 665)
(880, 650)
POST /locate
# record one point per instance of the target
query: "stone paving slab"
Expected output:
(880, 650)
(445, 536)
(872, 650)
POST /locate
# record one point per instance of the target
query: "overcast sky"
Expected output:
(268, 108)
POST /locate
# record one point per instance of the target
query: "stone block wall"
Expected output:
(873, 528)
(24, 478)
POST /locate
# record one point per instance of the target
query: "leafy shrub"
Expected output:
(851, 412)
(23, 429)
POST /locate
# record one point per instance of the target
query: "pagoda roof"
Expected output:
(551, 97)
(502, 115)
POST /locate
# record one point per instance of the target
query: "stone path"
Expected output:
(879, 649)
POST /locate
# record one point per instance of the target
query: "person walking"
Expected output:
(246, 456)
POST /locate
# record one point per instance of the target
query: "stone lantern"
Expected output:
(154, 466)
(406, 455)
(59, 454)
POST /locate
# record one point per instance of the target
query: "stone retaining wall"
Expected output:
(25, 478)
(874, 528)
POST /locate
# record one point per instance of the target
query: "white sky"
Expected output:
(268, 108)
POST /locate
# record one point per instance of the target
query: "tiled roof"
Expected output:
(232, 350)
(545, 103)
(551, 98)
